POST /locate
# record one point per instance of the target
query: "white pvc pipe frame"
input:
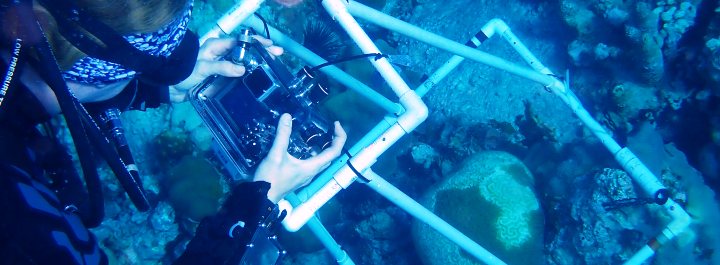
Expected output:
(416, 111)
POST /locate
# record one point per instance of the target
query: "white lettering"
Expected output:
(11, 70)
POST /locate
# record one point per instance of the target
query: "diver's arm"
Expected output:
(250, 203)
(223, 237)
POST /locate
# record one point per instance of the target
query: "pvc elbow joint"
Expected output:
(415, 111)
(494, 26)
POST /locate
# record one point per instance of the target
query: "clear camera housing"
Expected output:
(242, 112)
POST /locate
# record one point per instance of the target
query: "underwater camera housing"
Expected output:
(242, 112)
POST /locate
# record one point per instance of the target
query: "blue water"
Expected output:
(648, 71)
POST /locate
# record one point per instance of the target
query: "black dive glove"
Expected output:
(222, 238)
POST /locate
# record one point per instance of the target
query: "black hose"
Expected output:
(131, 183)
(93, 213)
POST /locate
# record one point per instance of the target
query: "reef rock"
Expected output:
(478, 94)
(491, 200)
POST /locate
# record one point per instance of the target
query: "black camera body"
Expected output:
(242, 112)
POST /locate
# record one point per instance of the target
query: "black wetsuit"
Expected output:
(35, 227)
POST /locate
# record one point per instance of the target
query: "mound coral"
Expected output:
(490, 199)
(194, 188)
(515, 201)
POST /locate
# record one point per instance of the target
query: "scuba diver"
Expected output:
(82, 58)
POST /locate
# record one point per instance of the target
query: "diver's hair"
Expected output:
(123, 16)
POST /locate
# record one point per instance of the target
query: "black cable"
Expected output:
(265, 25)
(377, 56)
(357, 173)
(627, 202)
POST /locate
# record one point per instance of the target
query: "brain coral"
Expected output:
(491, 200)
(515, 202)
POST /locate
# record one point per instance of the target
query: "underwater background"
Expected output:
(500, 158)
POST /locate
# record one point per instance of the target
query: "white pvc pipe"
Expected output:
(232, 19)
(415, 209)
(641, 256)
(498, 26)
(488, 30)
(313, 59)
(414, 32)
(494, 26)
(320, 232)
(298, 216)
(365, 141)
(631, 163)
(415, 113)
(439, 74)
(626, 158)
(681, 221)
(338, 10)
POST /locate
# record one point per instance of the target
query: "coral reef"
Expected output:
(701, 203)
(161, 139)
(490, 199)
(618, 51)
(713, 50)
(478, 94)
(653, 29)
(423, 154)
(632, 101)
(592, 235)
(137, 238)
(194, 188)
(381, 234)
(608, 219)
(676, 16)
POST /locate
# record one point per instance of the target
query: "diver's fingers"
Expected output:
(275, 50)
(322, 160)
(262, 40)
(282, 137)
(213, 48)
(268, 44)
(224, 68)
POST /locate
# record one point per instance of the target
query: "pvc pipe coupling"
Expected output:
(638, 171)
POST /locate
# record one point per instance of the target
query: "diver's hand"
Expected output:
(286, 173)
(209, 63)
